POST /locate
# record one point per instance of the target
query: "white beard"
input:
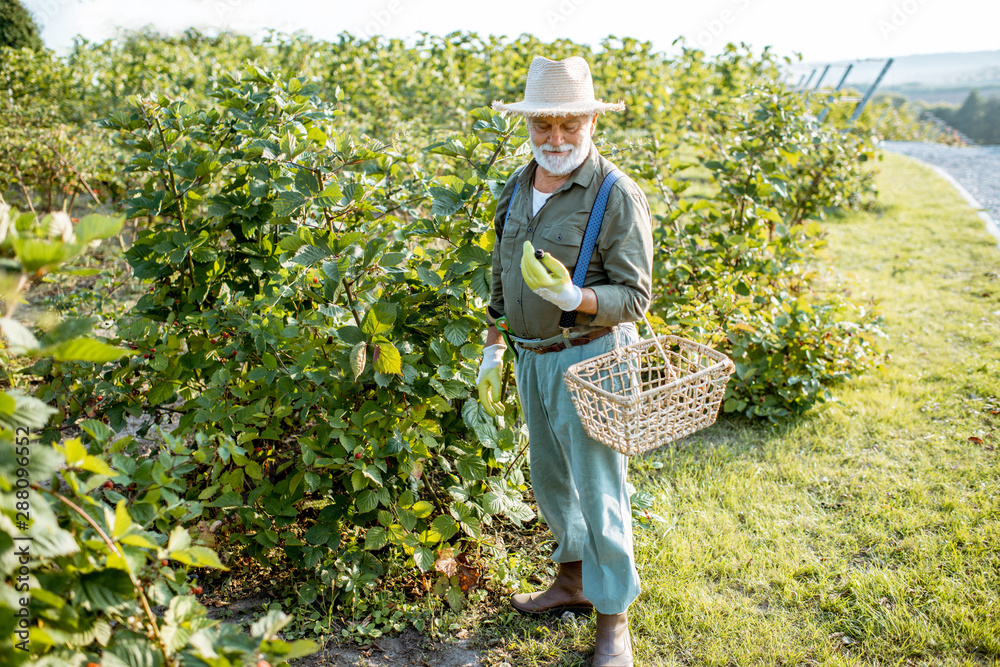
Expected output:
(560, 166)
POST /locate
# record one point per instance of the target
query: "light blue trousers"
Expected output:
(579, 484)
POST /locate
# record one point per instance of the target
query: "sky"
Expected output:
(822, 31)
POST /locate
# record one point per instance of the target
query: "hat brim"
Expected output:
(558, 109)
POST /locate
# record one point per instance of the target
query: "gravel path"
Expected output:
(975, 168)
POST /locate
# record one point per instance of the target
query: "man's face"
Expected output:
(560, 144)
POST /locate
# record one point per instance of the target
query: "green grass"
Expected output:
(867, 532)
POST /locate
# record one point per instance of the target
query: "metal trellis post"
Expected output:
(861, 105)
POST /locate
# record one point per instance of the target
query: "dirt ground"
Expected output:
(407, 648)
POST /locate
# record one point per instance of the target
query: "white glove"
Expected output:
(567, 299)
(488, 380)
(549, 279)
(492, 357)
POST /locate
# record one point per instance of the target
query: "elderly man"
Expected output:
(555, 321)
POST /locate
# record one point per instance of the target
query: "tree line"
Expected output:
(978, 117)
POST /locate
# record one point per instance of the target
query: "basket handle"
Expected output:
(656, 339)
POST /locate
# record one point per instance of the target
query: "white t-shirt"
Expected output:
(537, 199)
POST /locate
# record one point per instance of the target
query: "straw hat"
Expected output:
(558, 88)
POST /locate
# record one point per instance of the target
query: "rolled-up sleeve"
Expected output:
(626, 248)
(496, 298)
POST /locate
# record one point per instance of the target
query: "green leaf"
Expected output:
(445, 526)
(471, 468)
(204, 254)
(479, 283)
(19, 338)
(309, 255)
(473, 254)
(319, 534)
(287, 202)
(351, 335)
(297, 649)
(449, 200)
(74, 452)
(455, 598)
(68, 329)
(492, 502)
(268, 626)
(179, 539)
(518, 511)
(388, 360)
(366, 501)
(254, 470)
(457, 332)
(422, 509)
(85, 349)
(198, 556)
(80, 272)
(160, 392)
(51, 541)
(379, 318)
(305, 182)
(35, 254)
(429, 277)
(424, 558)
(642, 500)
(97, 430)
(122, 520)
(449, 388)
(132, 651)
(138, 540)
(96, 226)
(96, 465)
(104, 589)
(375, 539)
(332, 271)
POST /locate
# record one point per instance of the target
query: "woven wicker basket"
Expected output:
(642, 396)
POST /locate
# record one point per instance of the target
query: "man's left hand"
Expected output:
(549, 279)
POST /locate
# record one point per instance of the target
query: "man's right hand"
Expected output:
(488, 379)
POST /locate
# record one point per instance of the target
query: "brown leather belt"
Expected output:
(570, 342)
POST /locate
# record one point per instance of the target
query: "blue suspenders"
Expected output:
(589, 236)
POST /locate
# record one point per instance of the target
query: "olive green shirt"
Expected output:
(619, 270)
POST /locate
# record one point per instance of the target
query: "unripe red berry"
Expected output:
(315, 279)
(196, 590)
(109, 484)
(164, 562)
(263, 663)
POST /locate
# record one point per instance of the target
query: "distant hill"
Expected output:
(934, 77)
